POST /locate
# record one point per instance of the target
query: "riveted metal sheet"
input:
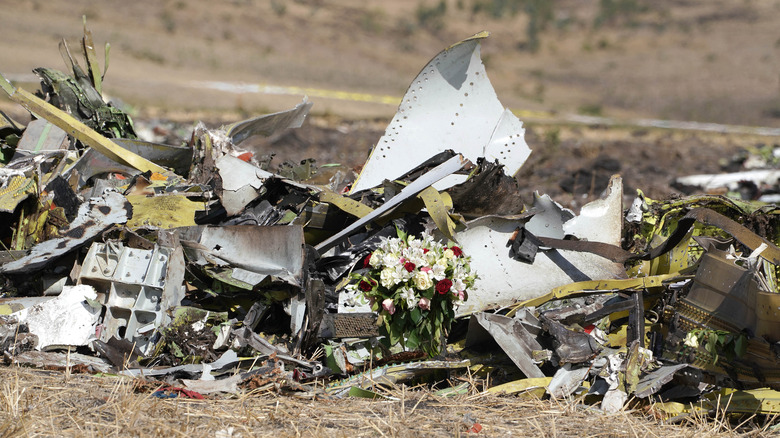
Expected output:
(451, 104)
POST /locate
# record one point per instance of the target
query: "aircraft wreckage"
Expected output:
(198, 265)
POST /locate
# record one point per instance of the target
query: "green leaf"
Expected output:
(412, 340)
(416, 316)
(397, 328)
(425, 327)
(394, 335)
(713, 341)
(740, 345)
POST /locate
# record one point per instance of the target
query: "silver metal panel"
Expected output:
(451, 104)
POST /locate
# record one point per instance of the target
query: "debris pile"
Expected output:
(202, 270)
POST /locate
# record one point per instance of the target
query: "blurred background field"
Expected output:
(708, 61)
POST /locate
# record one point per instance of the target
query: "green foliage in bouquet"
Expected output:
(415, 284)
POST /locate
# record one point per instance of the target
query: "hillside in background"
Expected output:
(711, 61)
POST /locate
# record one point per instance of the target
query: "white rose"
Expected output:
(422, 281)
(386, 277)
(376, 260)
(449, 254)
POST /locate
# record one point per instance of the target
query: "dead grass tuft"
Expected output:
(44, 403)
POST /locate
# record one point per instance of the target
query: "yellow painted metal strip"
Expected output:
(596, 286)
(521, 385)
(167, 211)
(348, 205)
(6, 86)
(754, 401)
(78, 130)
(439, 211)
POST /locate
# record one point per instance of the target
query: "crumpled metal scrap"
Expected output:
(201, 266)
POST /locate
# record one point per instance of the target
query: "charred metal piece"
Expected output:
(94, 217)
(653, 381)
(512, 337)
(488, 191)
(523, 245)
(570, 346)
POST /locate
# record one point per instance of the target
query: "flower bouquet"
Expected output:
(415, 284)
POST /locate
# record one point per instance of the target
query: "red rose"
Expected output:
(443, 286)
(366, 259)
(409, 266)
(457, 251)
(425, 250)
(364, 286)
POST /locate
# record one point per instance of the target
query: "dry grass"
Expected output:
(44, 403)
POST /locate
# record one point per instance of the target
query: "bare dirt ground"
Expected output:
(715, 61)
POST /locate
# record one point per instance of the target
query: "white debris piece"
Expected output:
(451, 104)
(504, 281)
(241, 182)
(566, 381)
(68, 320)
(761, 177)
(602, 219)
(613, 401)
